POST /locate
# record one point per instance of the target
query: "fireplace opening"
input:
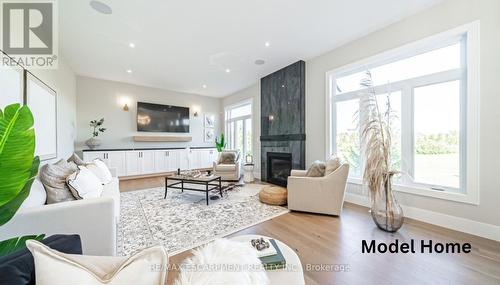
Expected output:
(279, 166)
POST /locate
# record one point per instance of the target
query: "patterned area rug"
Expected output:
(183, 220)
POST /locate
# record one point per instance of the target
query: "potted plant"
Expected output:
(220, 144)
(97, 128)
(18, 167)
(378, 172)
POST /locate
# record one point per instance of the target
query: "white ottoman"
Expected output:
(291, 275)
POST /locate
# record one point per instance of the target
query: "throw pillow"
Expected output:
(84, 184)
(18, 268)
(76, 159)
(226, 254)
(52, 267)
(317, 169)
(227, 157)
(36, 197)
(332, 164)
(53, 177)
(101, 170)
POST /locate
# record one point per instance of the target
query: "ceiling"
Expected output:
(185, 44)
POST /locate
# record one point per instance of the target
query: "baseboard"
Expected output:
(443, 220)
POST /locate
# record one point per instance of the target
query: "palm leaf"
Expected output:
(18, 168)
(14, 244)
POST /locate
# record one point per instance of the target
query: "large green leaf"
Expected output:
(18, 168)
(13, 244)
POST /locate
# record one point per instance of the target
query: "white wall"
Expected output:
(444, 16)
(103, 99)
(63, 81)
(252, 92)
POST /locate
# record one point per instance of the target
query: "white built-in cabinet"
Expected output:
(144, 162)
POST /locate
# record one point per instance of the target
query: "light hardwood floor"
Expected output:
(324, 240)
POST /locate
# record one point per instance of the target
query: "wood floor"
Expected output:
(330, 249)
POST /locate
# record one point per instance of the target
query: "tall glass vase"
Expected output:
(386, 211)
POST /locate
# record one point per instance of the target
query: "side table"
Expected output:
(248, 173)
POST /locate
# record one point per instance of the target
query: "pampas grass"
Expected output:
(376, 139)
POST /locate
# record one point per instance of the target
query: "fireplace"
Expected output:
(279, 167)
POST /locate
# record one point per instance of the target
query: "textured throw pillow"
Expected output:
(53, 177)
(317, 169)
(76, 159)
(225, 254)
(227, 157)
(37, 196)
(55, 268)
(84, 184)
(101, 170)
(332, 164)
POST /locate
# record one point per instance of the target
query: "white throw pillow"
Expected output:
(37, 196)
(84, 184)
(332, 164)
(241, 260)
(55, 268)
(101, 170)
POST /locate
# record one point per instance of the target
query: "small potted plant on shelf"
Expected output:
(97, 128)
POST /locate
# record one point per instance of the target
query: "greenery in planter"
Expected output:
(96, 125)
(220, 144)
(18, 167)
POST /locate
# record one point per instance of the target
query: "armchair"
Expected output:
(324, 195)
(229, 171)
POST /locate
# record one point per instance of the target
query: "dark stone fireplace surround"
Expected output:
(283, 121)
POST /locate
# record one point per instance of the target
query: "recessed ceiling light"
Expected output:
(204, 86)
(267, 44)
(260, 62)
(129, 71)
(132, 45)
(101, 7)
(228, 70)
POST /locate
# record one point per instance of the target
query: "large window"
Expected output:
(431, 87)
(238, 120)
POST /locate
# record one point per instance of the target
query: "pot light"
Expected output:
(101, 7)
(204, 86)
(132, 45)
(267, 44)
(129, 71)
(228, 70)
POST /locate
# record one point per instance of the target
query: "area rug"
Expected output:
(183, 220)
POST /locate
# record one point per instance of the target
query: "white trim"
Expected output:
(471, 135)
(472, 227)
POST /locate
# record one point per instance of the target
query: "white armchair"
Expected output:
(324, 195)
(228, 171)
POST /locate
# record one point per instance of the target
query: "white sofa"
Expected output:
(324, 195)
(95, 220)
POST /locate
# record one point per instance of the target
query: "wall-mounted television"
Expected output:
(162, 118)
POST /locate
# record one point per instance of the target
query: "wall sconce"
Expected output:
(125, 107)
(124, 102)
(271, 118)
(196, 111)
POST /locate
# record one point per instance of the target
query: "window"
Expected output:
(432, 88)
(238, 120)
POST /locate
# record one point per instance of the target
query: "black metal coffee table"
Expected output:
(211, 183)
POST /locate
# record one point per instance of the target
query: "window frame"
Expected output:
(468, 73)
(231, 138)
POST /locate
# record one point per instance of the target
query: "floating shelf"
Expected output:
(162, 138)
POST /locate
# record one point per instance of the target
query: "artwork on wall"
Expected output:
(42, 101)
(209, 120)
(11, 82)
(209, 135)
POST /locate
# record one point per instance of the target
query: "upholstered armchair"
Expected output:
(228, 165)
(324, 195)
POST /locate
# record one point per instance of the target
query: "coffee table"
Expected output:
(293, 274)
(211, 183)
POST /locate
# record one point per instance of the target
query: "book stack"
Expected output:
(271, 257)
